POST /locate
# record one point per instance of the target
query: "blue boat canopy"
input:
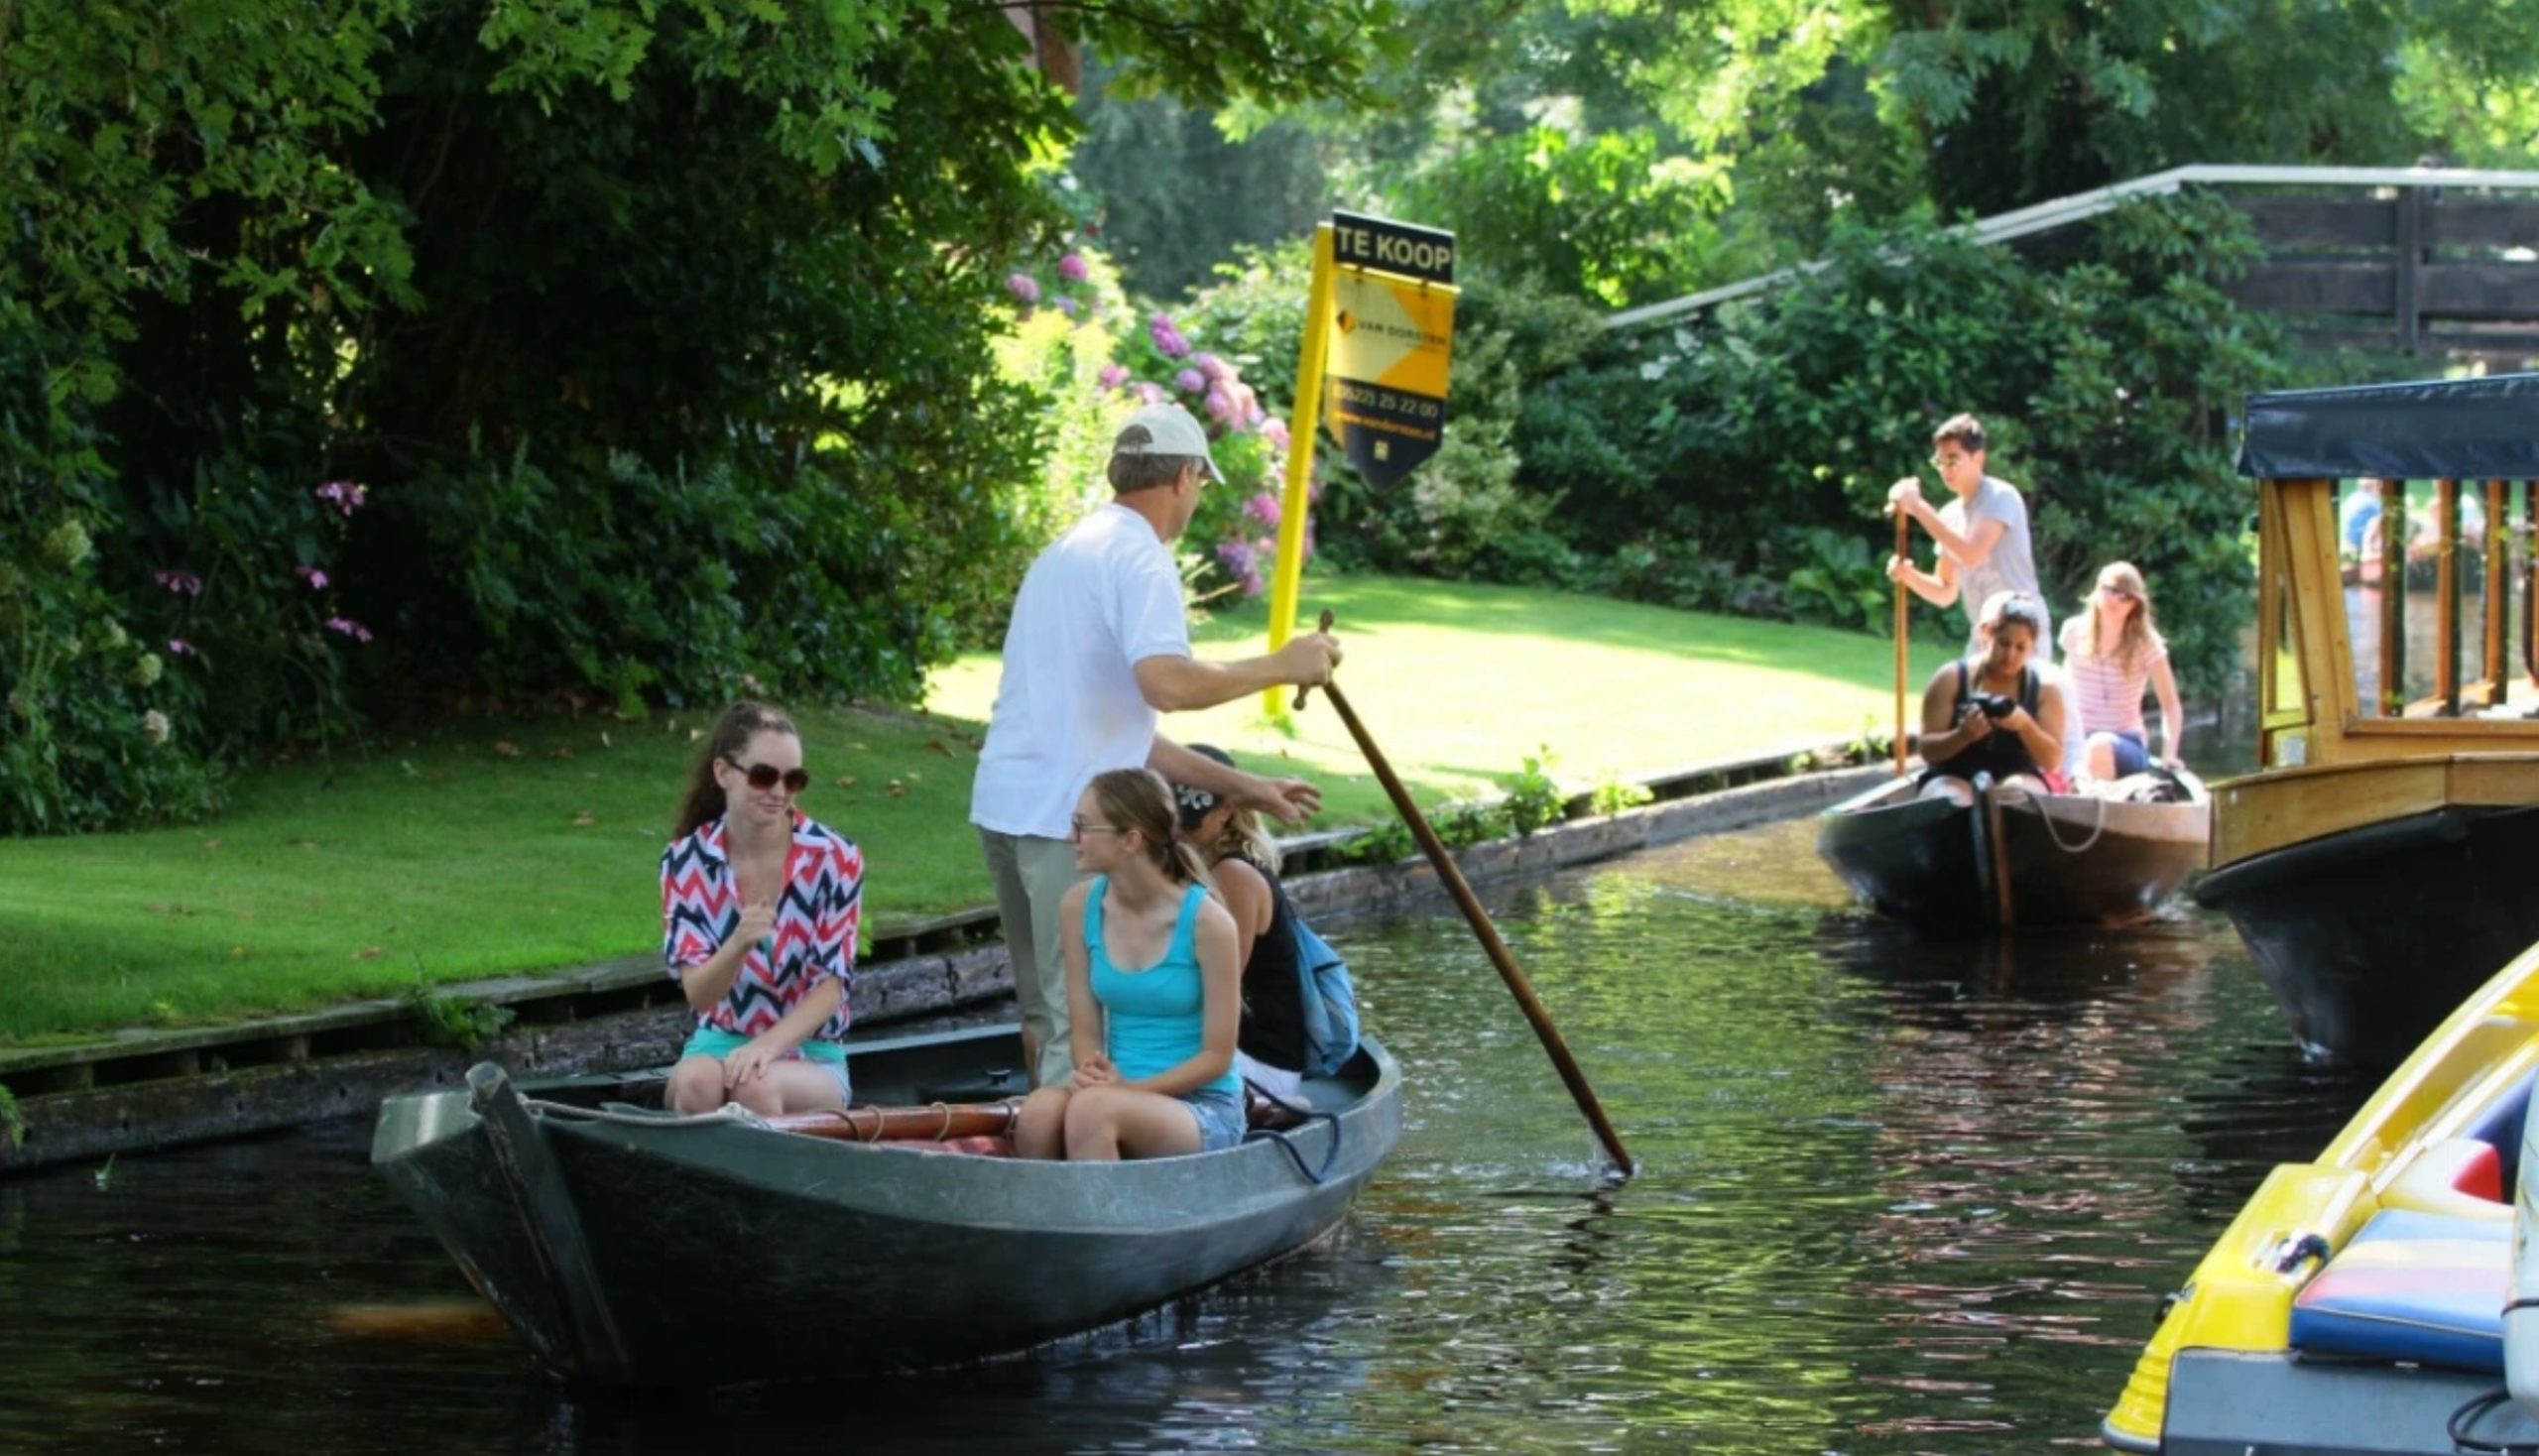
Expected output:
(2438, 430)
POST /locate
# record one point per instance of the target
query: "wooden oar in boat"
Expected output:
(1452, 877)
(1903, 627)
(936, 1123)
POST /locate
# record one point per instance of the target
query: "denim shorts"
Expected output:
(2132, 756)
(1220, 1118)
(828, 1056)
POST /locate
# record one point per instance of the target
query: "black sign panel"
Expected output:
(1402, 248)
(1386, 432)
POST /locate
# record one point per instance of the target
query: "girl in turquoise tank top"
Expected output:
(1153, 992)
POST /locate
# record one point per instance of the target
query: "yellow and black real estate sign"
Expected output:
(1392, 331)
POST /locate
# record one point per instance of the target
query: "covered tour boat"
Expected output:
(2379, 864)
(629, 1247)
(2016, 858)
(2358, 1305)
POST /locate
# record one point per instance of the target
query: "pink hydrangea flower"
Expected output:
(343, 495)
(1072, 267)
(316, 578)
(1148, 391)
(180, 648)
(347, 627)
(1189, 380)
(1113, 375)
(1022, 286)
(1275, 430)
(1220, 405)
(183, 583)
(1262, 508)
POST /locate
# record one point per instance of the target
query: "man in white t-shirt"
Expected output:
(1098, 646)
(1983, 537)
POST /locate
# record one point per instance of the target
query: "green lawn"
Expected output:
(494, 850)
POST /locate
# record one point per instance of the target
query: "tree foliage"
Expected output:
(396, 354)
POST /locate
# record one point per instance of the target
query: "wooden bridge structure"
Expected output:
(2439, 262)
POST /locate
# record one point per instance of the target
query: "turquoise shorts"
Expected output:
(830, 1057)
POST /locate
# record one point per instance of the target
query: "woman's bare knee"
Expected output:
(1039, 1128)
(696, 1085)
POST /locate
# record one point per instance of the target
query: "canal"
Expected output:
(1898, 1195)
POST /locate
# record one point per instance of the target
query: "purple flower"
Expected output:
(180, 647)
(1189, 380)
(183, 583)
(1021, 286)
(1113, 375)
(1063, 304)
(347, 627)
(1167, 340)
(1241, 563)
(1220, 405)
(343, 495)
(1073, 268)
(1275, 430)
(1148, 392)
(316, 578)
(1262, 508)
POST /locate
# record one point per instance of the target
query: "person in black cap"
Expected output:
(1244, 860)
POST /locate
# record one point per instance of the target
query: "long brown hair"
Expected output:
(1140, 800)
(2140, 631)
(741, 722)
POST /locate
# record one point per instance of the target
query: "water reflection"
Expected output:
(1897, 1195)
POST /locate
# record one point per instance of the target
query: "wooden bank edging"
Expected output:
(163, 1088)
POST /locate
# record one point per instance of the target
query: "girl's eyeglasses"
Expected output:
(764, 777)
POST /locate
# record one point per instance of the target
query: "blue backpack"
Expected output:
(1331, 1002)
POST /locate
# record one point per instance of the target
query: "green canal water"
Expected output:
(1897, 1195)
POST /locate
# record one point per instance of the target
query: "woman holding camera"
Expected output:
(1994, 714)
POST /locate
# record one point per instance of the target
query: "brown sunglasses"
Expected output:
(764, 777)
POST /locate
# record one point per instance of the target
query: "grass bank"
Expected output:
(495, 849)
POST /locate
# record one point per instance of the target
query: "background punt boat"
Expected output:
(2015, 858)
(631, 1249)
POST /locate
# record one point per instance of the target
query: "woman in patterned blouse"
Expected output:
(760, 907)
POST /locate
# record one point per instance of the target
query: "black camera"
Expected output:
(1993, 706)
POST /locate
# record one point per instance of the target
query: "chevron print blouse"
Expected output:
(815, 924)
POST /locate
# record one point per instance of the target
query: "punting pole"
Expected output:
(1903, 540)
(1452, 877)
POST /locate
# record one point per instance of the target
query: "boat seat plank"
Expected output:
(2416, 1287)
(2462, 1177)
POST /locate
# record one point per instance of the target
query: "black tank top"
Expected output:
(2001, 753)
(1274, 1007)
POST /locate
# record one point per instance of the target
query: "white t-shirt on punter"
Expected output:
(1103, 597)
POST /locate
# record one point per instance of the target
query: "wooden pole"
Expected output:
(1903, 625)
(1452, 877)
(2446, 596)
(902, 1124)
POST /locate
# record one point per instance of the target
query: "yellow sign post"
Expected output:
(1379, 321)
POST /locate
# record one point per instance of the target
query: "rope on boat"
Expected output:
(1306, 1116)
(2475, 1408)
(2045, 811)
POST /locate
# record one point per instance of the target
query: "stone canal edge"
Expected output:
(146, 1089)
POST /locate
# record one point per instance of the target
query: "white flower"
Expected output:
(154, 726)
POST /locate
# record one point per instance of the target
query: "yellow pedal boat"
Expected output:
(2356, 1303)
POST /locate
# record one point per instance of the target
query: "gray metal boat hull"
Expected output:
(627, 1254)
(2235, 1404)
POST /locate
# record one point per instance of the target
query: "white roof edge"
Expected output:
(2037, 217)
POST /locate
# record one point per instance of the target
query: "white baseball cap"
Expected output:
(1170, 430)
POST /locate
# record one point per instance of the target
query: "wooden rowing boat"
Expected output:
(2016, 858)
(2376, 865)
(628, 1246)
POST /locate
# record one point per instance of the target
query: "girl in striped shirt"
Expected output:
(2111, 652)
